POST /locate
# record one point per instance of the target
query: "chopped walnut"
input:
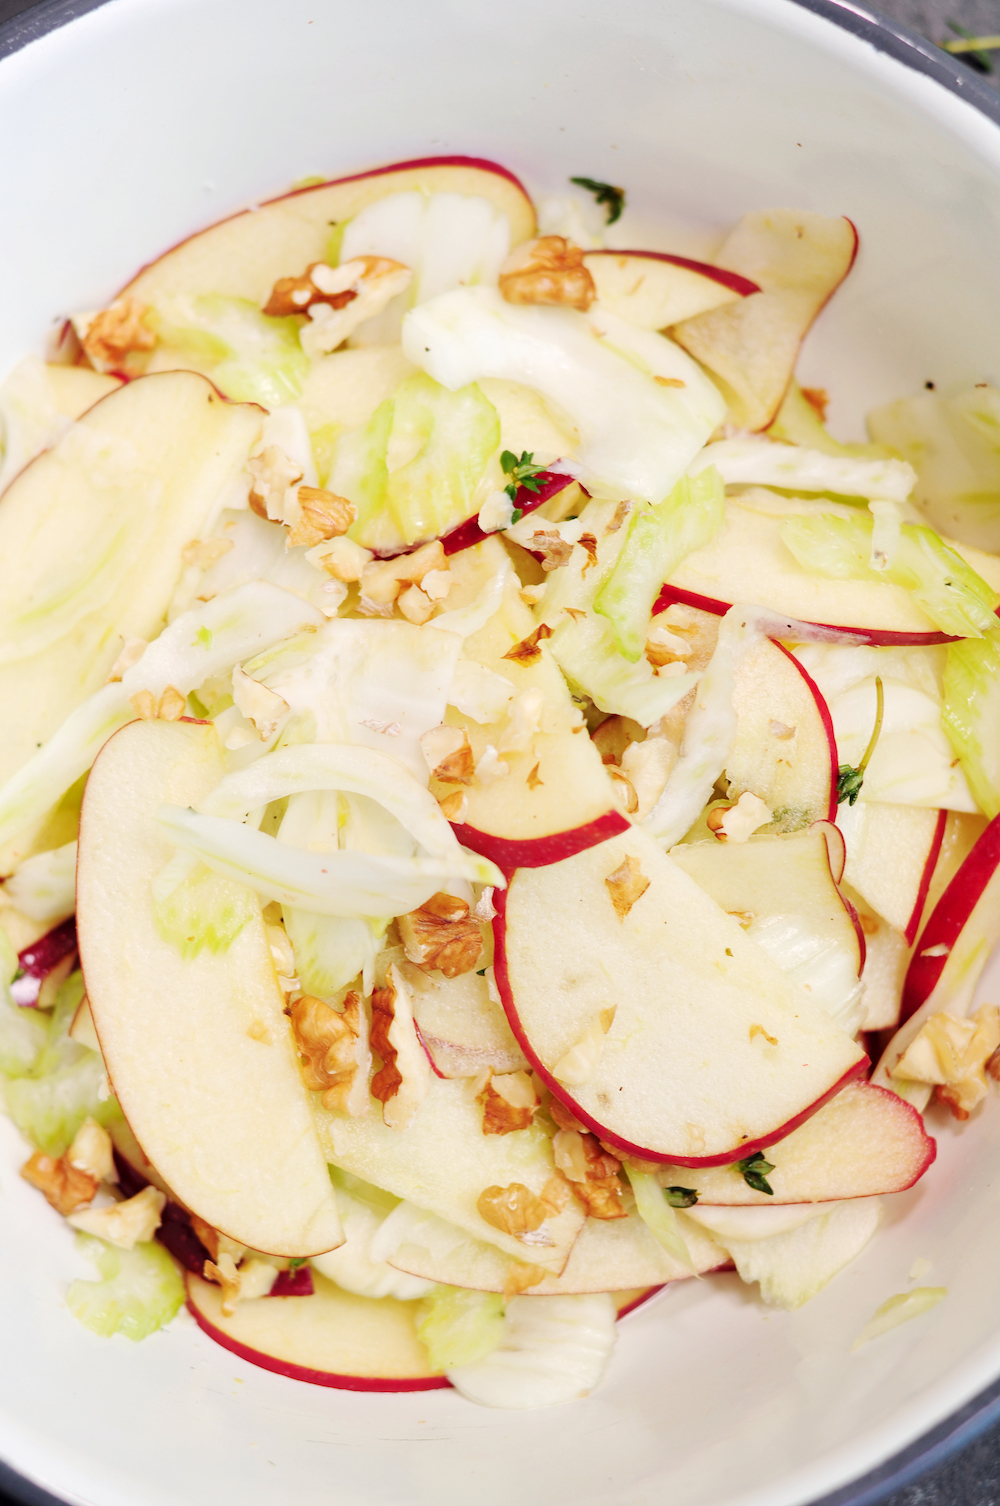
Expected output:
(132, 651)
(592, 1172)
(371, 280)
(626, 885)
(665, 647)
(323, 515)
(437, 583)
(647, 766)
(253, 1278)
(294, 295)
(448, 754)
(509, 1103)
(952, 1052)
(334, 1049)
(455, 807)
(736, 823)
(523, 721)
(491, 766)
(415, 605)
(93, 1152)
(441, 935)
(553, 548)
(169, 708)
(114, 333)
(341, 557)
(513, 1209)
(548, 270)
(485, 909)
(383, 580)
(124, 1224)
(401, 1084)
(281, 951)
(533, 780)
(625, 791)
(563, 1118)
(556, 1194)
(215, 1242)
(275, 476)
(622, 511)
(264, 707)
(577, 613)
(589, 544)
(528, 651)
(578, 1065)
(203, 553)
(66, 1187)
(520, 1276)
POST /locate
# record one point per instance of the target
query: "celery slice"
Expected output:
(140, 1290)
(458, 1326)
(22, 1031)
(970, 715)
(659, 537)
(202, 910)
(955, 598)
(659, 1217)
(252, 357)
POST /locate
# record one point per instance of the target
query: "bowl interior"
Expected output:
(146, 119)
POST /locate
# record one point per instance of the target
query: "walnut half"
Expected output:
(334, 1049)
(548, 270)
(441, 935)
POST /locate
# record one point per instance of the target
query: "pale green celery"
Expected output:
(330, 950)
(970, 714)
(900, 1309)
(458, 1326)
(799, 423)
(23, 1032)
(65, 1084)
(241, 622)
(253, 358)
(447, 439)
(140, 1290)
(955, 598)
(658, 539)
(324, 447)
(658, 1216)
(202, 910)
(44, 887)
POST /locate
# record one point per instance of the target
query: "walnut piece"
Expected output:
(591, 1171)
(509, 1103)
(93, 1152)
(952, 1052)
(215, 1242)
(548, 270)
(448, 754)
(169, 708)
(324, 515)
(454, 807)
(553, 548)
(253, 1278)
(513, 1209)
(528, 651)
(331, 1045)
(626, 885)
(520, 1276)
(622, 511)
(589, 544)
(257, 703)
(370, 282)
(112, 334)
(64, 1186)
(132, 651)
(736, 823)
(340, 557)
(294, 295)
(441, 935)
(124, 1224)
(523, 720)
(401, 1084)
(275, 475)
(383, 580)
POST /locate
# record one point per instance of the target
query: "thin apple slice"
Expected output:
(784, 751)
(460, 1027)
(193, 1046)
(243, 257)
(91, 535)
(332, 1338)
(444, 1162)
(546, 793)
(654, 289)
(652, 1016)
(609, 1256)
(887, 956)
(863, 1142)
(892, 851)
(798, 259)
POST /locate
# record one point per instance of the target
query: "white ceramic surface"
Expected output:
(142, 121)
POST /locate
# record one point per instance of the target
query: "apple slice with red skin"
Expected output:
(664, 1029)
(654, 289)
(864, 1142)
(960, 932)
(461, 1029)
(557, 796)
(39, 961)
(243, 256)
(892, 851)
(798, 259)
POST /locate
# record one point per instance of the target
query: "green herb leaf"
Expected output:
(296, 1261)
(680, 1197)
(604, 193)
(522, 472)
(480, 972)
(849, 781)
(754, 1170)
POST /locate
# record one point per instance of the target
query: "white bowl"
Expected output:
(144, 119)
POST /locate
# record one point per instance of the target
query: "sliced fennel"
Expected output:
(971, 715)
(363, 1210)
(459, 1327)
(659, 1217)
(637, 436)
(252, 357)
(826, 971)
(955, 598)
(140, 1290)
(44, 887)
(202, 911)
(792, 1267)
(658, 538)
(760, 462)
(799, 423)
(899, 1309)
(195, 647)
(553, 1349)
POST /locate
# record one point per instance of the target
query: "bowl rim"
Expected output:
(901, 42)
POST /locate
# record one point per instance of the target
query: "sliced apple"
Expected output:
(609, 1256)
(243, 257)
(654, 289)
(892, 851)
(773, 876)
(36, 400)
(443, 1162)
(651, 1015)
(887, 956)
(194, 1046)
(961, 833)
(39, 961)
(91, 535)
(332, 1338)
(863, 1142)
(462, 1030)
(798, 259)
(784, 750)
(549, 793)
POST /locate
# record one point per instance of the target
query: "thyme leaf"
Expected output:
(680, 1197)
(849, 781)
(522, 472)
(604, 193)
(754, 1170)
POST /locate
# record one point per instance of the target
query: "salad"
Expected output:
(503, 810)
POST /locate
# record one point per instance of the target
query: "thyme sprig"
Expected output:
(849, 781)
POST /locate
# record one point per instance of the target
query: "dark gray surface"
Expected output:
(970, 1476)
